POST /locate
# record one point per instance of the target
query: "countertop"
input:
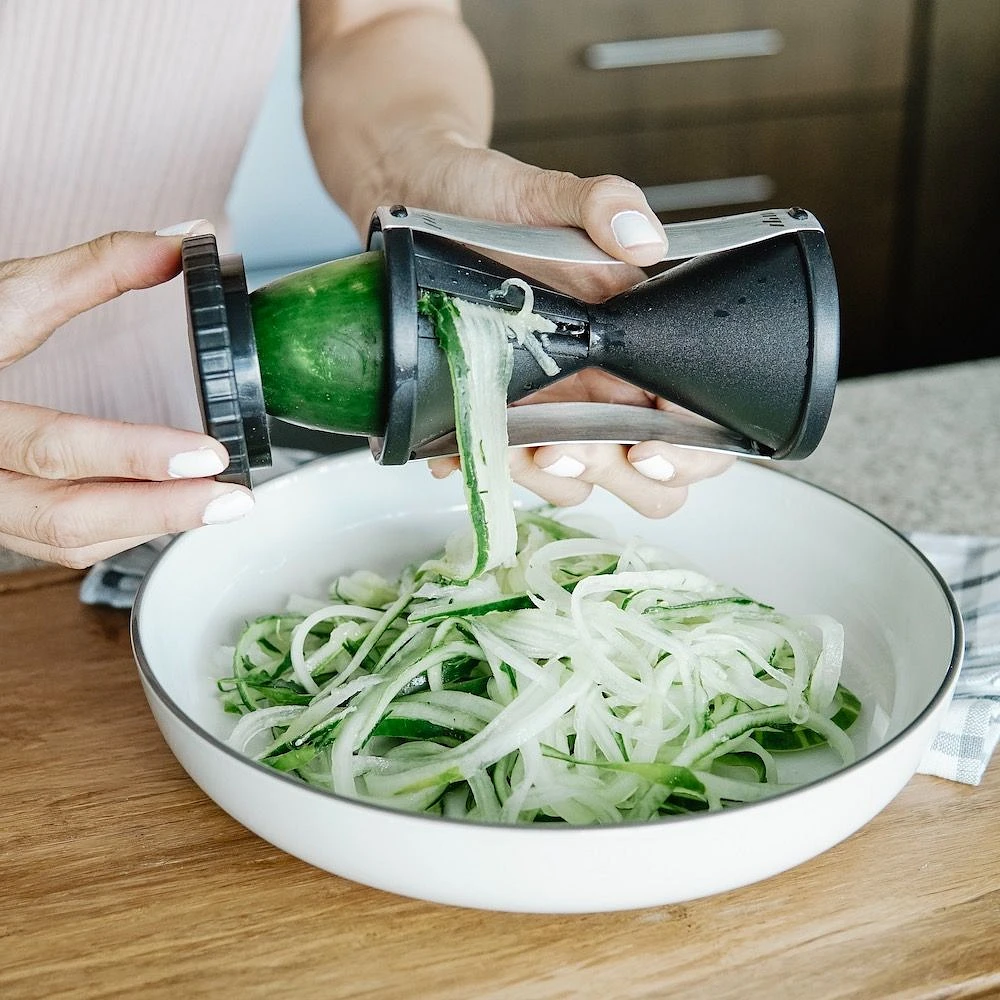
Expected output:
(920, 449)
(120, 878)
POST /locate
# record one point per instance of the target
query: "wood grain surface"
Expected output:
(119, 878)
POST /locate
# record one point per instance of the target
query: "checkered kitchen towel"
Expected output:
(964, 744)
(971, 565)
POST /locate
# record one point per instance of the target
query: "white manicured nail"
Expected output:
(195, 464)
(655, 467)
(228, 507)
(189, 228)
(566, 467)
(633, 229)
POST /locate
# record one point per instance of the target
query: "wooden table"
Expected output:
(119, 878)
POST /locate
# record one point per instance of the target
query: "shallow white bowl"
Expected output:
(788, 543)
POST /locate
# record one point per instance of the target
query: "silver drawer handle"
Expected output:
(683, 49)
(709, 194)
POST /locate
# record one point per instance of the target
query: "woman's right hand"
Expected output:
(73, 489)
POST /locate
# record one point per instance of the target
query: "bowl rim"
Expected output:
(944, 691)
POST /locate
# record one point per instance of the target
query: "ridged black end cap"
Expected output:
(395, 447)
(824, 346)
(225, 356)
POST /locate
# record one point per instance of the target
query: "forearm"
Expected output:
(376, 101)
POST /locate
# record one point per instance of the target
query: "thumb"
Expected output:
(39, 294)
(612, 210)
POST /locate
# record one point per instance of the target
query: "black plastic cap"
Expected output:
(225, 356)
(747, 337)
(820, 281)
(395, 446)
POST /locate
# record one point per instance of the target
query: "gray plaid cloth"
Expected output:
(964, 744)
(971, 566)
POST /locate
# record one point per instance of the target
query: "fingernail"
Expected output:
(566, 467)
(633, 229)
(195, 464)
(228, 507)
(655, 467)
(190, 228)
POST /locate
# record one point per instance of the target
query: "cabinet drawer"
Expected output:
(539, 52)
(843, 167)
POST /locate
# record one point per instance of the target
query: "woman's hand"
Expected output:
(651, 476)
(74, 490)
(397, 108)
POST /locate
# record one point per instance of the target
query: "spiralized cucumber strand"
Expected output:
(524, 324)
(252, 725)
(476, 339)
(382, 622)
(304, 667)
(587, 681)
(825, 676)
(480, 360)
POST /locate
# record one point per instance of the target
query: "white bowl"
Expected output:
(788, 543)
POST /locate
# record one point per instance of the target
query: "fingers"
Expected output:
(35, 441)
(485, 183)
(39, 294)
(561, 491)
(554, 490)
(73, 558)
(74, 520)
(72, 489)
(441, 468)
(612, 210)
(56, 500)
(606, 465)
(666, 463)
(468, 180)
(651, 477)
(619, 221)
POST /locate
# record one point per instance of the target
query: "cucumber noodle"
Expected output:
(477, 342)
(590, 681)
(534, 672)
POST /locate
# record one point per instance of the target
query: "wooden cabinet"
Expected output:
(948, 260)
(736, 105)
(546, 55)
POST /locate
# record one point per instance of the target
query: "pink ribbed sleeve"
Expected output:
(123, 114)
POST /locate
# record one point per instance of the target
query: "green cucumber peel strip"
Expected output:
(791, 737)
(680, 779)
(482, 443)
(436, 609)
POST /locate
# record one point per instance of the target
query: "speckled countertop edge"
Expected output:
(919, 449)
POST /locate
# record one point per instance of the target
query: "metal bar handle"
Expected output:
(574, 246)
(537, 424)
